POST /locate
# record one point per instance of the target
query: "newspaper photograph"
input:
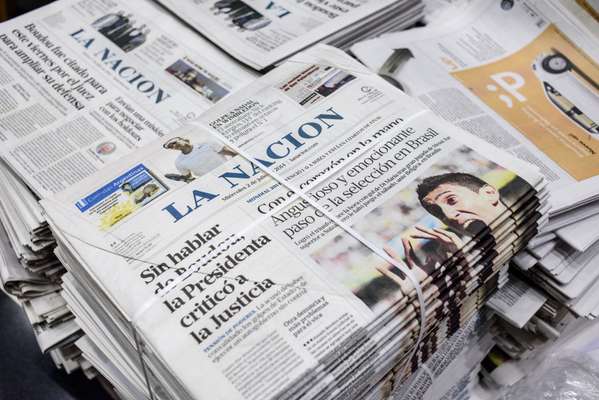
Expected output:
(426, 222)
(532, 89)
(85, 83)
(261, 33)
(301, 199)
(196, 263)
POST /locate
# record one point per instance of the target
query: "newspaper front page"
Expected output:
(196, 262)
(522, 75)
(85, 82)
(261, 33)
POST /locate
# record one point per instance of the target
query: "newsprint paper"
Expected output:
(261, 33)
(83, 83)
(240, 287)
(522, 75)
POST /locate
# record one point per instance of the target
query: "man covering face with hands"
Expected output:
(464, 203)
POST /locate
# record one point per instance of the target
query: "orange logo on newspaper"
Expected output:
(548, 91)
(506, 85)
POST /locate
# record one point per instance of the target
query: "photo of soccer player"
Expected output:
(457, 199)
(463, 203)
(196, 159)
(423, 224)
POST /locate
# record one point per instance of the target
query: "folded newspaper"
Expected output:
(328, 229)
(83, 84)
(263, 33)
(379, 258)
(532, 90)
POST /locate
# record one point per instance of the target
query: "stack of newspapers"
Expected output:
(84, 84)
(452, 371)
(77, 94)
(261, 34)
(327, 230)
(25, 230)
(531, 90)
(314, 233)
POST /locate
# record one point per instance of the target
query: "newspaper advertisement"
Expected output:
(85, 82)
(262, 32)
(196, 261)
(518, 74)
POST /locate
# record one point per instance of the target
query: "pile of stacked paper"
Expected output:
(452, 371)
(543, 375)
(30, 273)
(262, 34)
(31, 269)
(328, 229)
(531, 90)
(83, 85)
(493, 350)
(318, 233)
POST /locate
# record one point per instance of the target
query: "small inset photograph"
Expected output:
(314, 83)
(141, 189)
(200, 82)
(331, 85)
(122, 30)
(121, 197)
(105, 148)
(197, 158)
(240, 15)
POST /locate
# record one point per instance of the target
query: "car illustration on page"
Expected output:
(569, 89)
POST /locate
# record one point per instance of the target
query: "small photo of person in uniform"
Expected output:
(195, 160)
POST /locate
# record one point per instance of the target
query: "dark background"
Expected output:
(12, 8)
(26, 373)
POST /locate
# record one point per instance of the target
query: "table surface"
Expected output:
(27, 374)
